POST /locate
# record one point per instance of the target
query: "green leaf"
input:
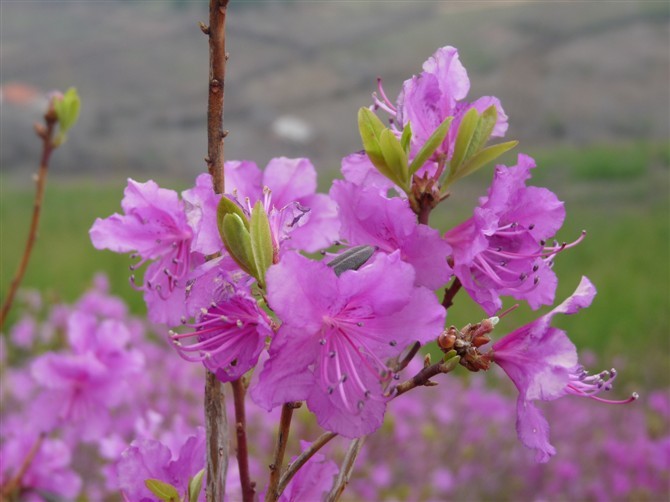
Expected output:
(479, 160)
(351, 259)
(67, 109)
(406, 138)
(261, 241)
(395, 157)
(465, 132)
(370, 128)
(227, 206)
(431, 144)
(164, 491)
(485, 125)
(237, 240)
(195, 486)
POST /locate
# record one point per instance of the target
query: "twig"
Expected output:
(216, 422)
(422, 378)
(15, 482)
(46, 133)
(282, 439)
(450, 293)
(302, 459)
(345, 471)
(411, 352)
(248, 488)
(217, 73)
(216, 428)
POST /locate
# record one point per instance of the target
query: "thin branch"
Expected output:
(278, 460)
(422, 378)
(302, 459)
(216, 422)
(46, 133)
(217, 74)
(15, 482)
(216, 429)
(345, 471)
(450, 293)
(248, 487)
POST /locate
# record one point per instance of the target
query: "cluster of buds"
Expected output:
(467, 343)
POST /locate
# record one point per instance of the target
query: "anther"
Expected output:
(531, 226)
(329, 390)
(360, 405)
(183, 319)
(322, 341)
(239, 323)
(393, 343)
(331, 354)
(359, 324)
(343, 378)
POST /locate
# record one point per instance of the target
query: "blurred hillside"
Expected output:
(568, 73)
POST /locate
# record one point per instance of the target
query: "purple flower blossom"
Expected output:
(153, 225)
(230, 333)
(289, 181)
(148, 459)
(542, 362)
(438, 92)
(81, 386)
(336, 335)
(368, 218)
(502, 249)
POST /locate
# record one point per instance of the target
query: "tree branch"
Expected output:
(302, 459)
(248, 487)
(217, 73)
(216, 430)
(345, 471)
(450, 293)
(282, 439)
(216, 422)
(47, 135)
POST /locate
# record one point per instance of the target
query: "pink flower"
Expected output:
(427, 99)
(368, 218)
(542, 362)
(148, 459)
(289, 181)
(230, 332)
(502, 249)
(336, 335)
(154, 226)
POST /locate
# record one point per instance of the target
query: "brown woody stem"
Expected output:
(47, 136)
(15, 483)
(302, 459)
(217, 73)
(216, 422)
(248, 487)
(344, 475)
(450, 293)
(282, 439)
(216, 428)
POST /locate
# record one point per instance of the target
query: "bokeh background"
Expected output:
(586, 85)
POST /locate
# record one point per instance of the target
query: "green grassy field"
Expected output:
(619, 194)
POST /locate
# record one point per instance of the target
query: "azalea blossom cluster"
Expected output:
(324, 297)
(154, 431)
